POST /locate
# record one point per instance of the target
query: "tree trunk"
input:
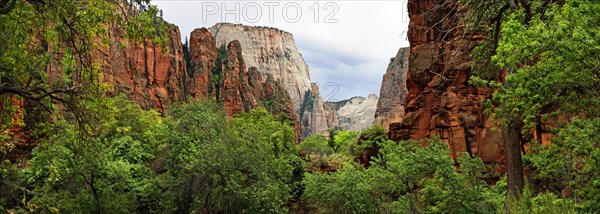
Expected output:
(514, 161)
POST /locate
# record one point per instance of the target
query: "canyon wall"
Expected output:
(240, 88)
(355, 114)
(203, 56)
(440, 100)
(242, 67)
(390, 107)
(151, 75)
(273, 53)
(155, 76)
(147, 74)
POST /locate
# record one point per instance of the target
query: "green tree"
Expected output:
(342, 139)
(405, 178)
(555, 70)
(47, 53)
(571, 164)
(103, 170)
(548, 50)
(316, 144)
(243, 165)
(187, 58)
(216, 74)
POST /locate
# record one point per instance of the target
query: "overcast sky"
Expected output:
(348, 43)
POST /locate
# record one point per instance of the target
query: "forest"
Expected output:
(70, 146)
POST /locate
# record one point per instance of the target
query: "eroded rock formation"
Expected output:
(151, 75)
(262, 67)
(240, 88)
(313, 118)
(273, 53)
(356, 113)
(203, 56)
(440, 100)
(147, 74)
(390, 107)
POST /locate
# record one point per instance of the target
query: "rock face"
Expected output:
(273, 53)
(390, 108)
(313, 118)
(240, 88)
(203, 56)
(243, 67)
(156, 78)
(355, 114)
(152, 77)
(440, 101)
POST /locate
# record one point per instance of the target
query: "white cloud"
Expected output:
(353, 52)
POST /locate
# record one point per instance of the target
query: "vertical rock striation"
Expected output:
(440, 100)
(147, 74)
(313, 118)
(273, 53)
(203, 56)
(390, 107)
(240, 88)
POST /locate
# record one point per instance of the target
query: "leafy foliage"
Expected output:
(105, 171)
(316, 144)
(405, 178)
(555, 65)
(572, 163)
(548, 50)
(244, 165)
(341, 140)
(47, 56)
(107, 155)
(370, 138)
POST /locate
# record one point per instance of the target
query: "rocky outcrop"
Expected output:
(203, 56)
(440, 100)
(273, 53)
(390, 107)
(355, 114)
(331, 115)
(236, 95)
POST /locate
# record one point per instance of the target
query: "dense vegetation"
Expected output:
(98, 154)
(542, 57)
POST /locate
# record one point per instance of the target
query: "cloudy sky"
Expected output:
(347, 44)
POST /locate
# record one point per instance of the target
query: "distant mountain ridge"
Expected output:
(356, 113)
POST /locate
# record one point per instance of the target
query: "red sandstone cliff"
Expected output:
(203, 54)
(151, 75)
(147, 74)
(239, 87)
(440, 100)
(273, 53)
